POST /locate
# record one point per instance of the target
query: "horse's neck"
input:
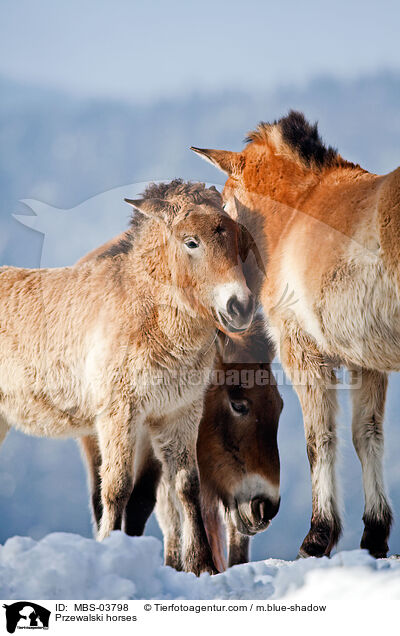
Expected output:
(182, 326)
(164, 309)
(289, 195)
(141, 280)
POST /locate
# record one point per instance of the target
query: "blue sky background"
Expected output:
(150, 50)
(97, 97)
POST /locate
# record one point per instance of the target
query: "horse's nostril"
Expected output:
(264, 509)
(256, 508)
(234, 308)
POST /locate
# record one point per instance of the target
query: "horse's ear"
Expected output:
(156, 208)
(138, 205)
(230, 162)
(247, 244)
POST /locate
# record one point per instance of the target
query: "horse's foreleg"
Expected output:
(176, 443)
(238, 545)
(368, 410)
(91, 450)
(168, 517)
(314, 380)
(319, 406)
(116, 442)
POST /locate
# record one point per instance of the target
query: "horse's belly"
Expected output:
(360, 322)
(370, 344)
(353, 314)
(32, 417)
(38, 406)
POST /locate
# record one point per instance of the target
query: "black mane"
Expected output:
(122, 246)
(304, 137)
(301, 136)
(177, 189)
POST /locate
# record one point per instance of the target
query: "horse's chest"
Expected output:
(162, 391)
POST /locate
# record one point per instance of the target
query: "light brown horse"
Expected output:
(237, 450)
(107, 347)
(329, 235)
(237, 454)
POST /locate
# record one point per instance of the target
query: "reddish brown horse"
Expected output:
(237, 455)
(237, 448)
(328, 233)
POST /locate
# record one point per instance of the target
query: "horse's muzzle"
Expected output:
(238, 314)
(255, 515)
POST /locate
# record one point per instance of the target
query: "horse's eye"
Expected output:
(192, 243)
(241, 407)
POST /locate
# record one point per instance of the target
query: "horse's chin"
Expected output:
(245, 526)
(228, 327)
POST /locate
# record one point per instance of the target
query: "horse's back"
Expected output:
(106, 249)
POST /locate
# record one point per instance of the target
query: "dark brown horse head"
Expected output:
(237, 446)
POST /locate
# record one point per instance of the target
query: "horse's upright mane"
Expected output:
(177, 191)
(300, 138)
(172, 194)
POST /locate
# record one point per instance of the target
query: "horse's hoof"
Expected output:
(201, 570)
(213, 571)
(197, 566)
(321, 538)
(378, 554)
(210, 568)
(302, 555)
(374, 540)
(313, 549)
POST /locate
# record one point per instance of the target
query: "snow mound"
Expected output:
(68, 566)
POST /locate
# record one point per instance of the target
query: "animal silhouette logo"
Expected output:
(26, 615)
(69, 233)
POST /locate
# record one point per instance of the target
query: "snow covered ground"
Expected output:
(68, 566)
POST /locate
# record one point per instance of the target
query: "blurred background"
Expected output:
(98, 97)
